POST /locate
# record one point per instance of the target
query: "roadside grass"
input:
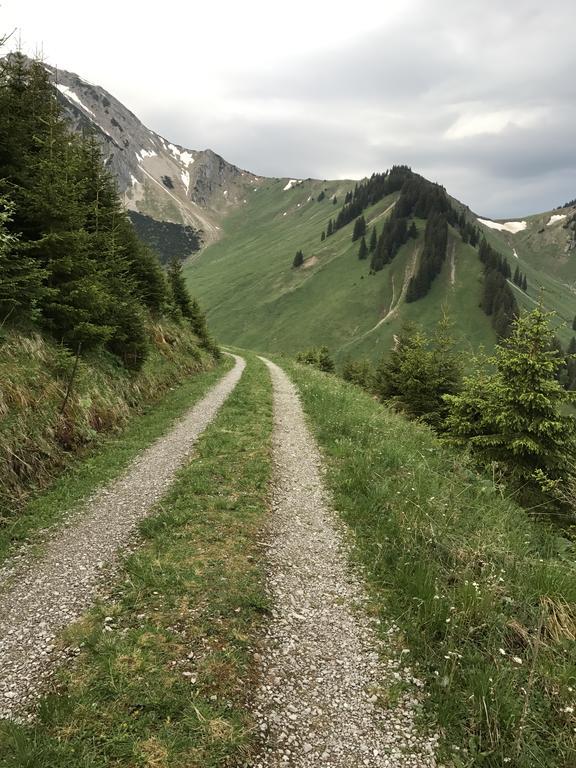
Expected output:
(55, 407)
(483, 594)
(105, 462)
(164, 665)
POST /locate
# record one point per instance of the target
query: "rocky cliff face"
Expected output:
(155, 177)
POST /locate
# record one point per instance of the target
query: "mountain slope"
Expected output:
(165, 181)
(545, 250)
(255, 297)
(251, 227)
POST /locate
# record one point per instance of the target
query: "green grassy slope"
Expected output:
(255, 298)
(541, 251)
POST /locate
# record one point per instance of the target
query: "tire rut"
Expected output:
(322, 679)
(42, 596)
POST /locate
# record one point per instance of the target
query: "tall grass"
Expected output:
(41, 428)
(484, 595)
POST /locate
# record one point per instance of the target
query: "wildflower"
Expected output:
(517, 659)
(502, 651)
(569, 710)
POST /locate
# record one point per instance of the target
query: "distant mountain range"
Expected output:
(248, 229)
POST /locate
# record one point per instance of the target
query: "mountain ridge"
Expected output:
(155, 177)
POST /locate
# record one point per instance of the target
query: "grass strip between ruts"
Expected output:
(164, 666)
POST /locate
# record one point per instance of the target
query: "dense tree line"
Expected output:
(497, 300)
(468, 231)
(432, 257)
(166, 239)
(519, 279)
(394, 234)
(71, 260)
(359, 228)
(369, 192)
(423, 199)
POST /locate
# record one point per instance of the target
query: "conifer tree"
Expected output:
(329, 228)
(571, 365)
(323, 236)
(413, 231)
(187, 306)
(373, 240)
(69, 256)
(298, 259)
(21, 279)
(363, 250)
(359, 372)
(359, 228)
(419, 371)
(515, 417)
(178, 287)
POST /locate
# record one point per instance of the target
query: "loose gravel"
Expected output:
(41, 596)
(323, 680)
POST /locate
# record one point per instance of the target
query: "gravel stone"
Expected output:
(321, 666)
(40, 596)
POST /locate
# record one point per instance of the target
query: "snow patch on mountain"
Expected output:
(185, 157)
(185, 175)
(71, 96)
(291, 183)
(510, 226)
(556, 217)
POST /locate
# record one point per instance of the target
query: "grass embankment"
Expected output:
(42, 430)
(165, 663)
(485, 597)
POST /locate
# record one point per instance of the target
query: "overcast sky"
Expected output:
(477, 95)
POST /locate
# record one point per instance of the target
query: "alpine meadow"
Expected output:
(287, 439)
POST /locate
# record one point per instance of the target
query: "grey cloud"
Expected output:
(392, 95)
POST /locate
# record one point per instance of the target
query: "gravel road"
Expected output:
(38, 597)
(322, 676)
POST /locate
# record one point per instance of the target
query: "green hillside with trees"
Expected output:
(369, 257)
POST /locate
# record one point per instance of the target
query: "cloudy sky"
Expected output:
(476, 94)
